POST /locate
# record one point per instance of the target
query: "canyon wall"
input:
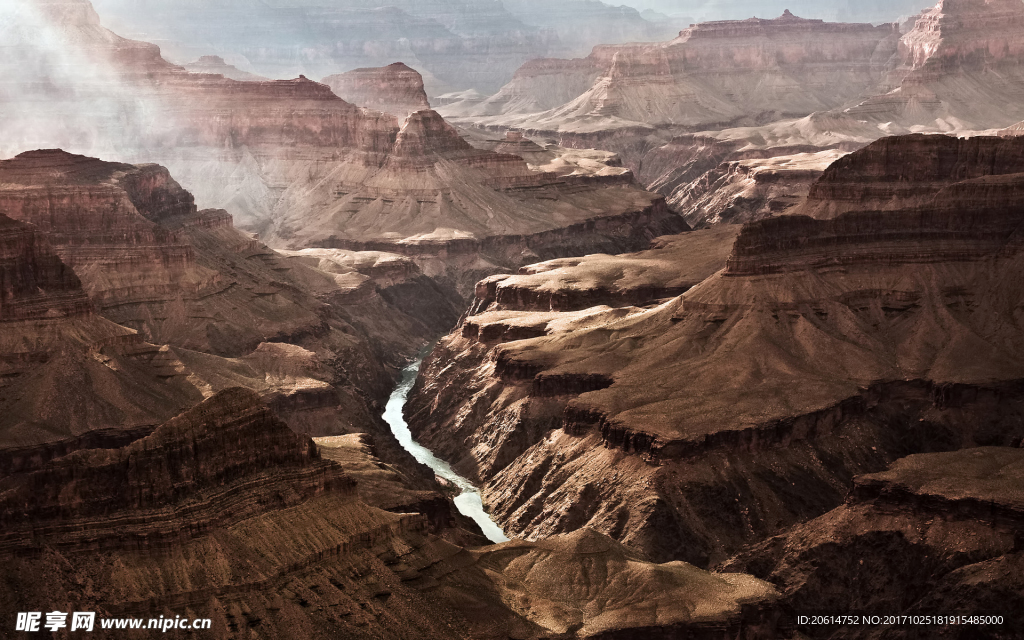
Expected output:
(935, 532)
(225, 513)
(394, 89)
(304, 168)
(693, 425)
(714, 74)
(457, 45)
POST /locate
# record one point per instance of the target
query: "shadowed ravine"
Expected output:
(468, 501)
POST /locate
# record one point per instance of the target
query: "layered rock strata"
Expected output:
(692, 426)
(458, 209)
(714, 73)
(394, 89)
(294, 162)
(225, 513)
(935, 533)
(958, 67)
(65, 371)
(199, 307)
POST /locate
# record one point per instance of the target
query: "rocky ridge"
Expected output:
(460, 211)
(395, 89)
(457, 45)
(925, 75)
(557, 401)
(934, 531)
(224, 512)
(701, 79)
(217, 66)
(304, 168)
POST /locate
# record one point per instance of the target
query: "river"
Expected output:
(468, 502)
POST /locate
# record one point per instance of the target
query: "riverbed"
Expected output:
(468, 502)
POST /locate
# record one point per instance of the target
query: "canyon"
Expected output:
(710, 331)
(613, 391)
(457, 45)
(292, 161)
(733, 120)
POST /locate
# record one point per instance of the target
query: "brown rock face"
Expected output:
(93, 213)
(229, 436)
(934, 532)
(454, 208)
(824, 349)
(319, 345)
(64, 371)
(34, 283)
(714, 73)
(956, 52)
(901, 172)
(394, 89)
(224, 513)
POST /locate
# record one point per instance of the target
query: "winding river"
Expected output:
(468, 502)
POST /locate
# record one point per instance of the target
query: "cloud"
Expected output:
(62, 87)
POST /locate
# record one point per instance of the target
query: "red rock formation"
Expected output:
(225, 513)
(957, 52)
(793, 364)
(714, 73)
(395, 89)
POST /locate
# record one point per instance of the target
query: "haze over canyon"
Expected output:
(513, 319)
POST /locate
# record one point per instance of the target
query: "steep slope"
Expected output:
(64, 370)
(823, 349)
(958, 68)
(292, 161)
(444, 202)
(935, 533)
(394, 89)
(224, 513)
(321, 345)
(715, 73)
(682, 114)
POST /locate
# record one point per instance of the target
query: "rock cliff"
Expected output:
(461, 211)
(823, 349)
(304, 168)
(199, 307)
(956, 52)
(64, 371)
(713, 74)
(915, 171)
(225, 513)
(935, 533)
(394, 89)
